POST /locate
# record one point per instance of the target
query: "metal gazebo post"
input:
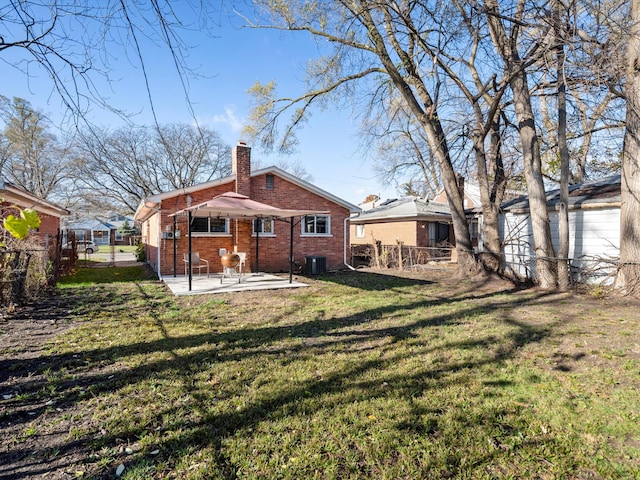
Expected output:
(291, 252)
(175, 248)
(258, 228)
(189, 257)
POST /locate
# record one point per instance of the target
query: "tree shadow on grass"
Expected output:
(345, 333)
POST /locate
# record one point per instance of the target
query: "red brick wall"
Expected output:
(273, 253)
(49, 224)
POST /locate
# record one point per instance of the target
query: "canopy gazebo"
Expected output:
(233, 205)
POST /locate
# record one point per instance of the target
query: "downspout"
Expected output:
(157, 209)
(346, 235)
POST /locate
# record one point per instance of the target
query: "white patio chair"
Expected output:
(243, 259)
(196, 262)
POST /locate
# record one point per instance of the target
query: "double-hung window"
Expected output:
(263, 226)
(209, 225)
(316, 225)
(359, 231)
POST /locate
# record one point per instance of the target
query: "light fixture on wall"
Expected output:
(189, 200)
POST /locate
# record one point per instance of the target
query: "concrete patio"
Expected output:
(201, 284)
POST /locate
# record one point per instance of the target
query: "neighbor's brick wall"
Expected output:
(49, 224)
(388, 233)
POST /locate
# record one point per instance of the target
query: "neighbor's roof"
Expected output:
(405, 208)
(94, 223)
(595, 193)
(9, 193)
(147, 206)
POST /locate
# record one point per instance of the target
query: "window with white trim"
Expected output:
(209, 225)
(316, 225)
(359, 231)
(264, 226)
(473, 229)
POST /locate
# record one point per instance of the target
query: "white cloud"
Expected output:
(228, 119)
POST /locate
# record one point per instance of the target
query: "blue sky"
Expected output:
(228, 65)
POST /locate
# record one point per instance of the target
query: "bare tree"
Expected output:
(117, 169)
(376, 49)
(506, 30)
(75, 43)
(590, 33)
(30, 155)
(402, 153)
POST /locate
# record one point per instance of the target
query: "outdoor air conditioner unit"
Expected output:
(316, 265)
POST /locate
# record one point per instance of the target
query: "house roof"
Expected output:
(96, 223)
(405, 208)
(147, 206)
(595, 193)
(23, 199)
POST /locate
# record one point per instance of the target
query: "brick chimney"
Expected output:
(241, 168)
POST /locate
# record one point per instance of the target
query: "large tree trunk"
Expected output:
(628, 278)
(563, 212)
(546, 273)
(464, 248)
(492, 187)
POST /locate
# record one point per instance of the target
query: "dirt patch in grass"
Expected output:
(559, 333)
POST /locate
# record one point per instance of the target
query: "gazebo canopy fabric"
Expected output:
(236, 205)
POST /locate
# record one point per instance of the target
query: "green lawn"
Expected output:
(360, 375)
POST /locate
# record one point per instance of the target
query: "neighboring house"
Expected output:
(594, 230)
(412, 221)
(323, 235)
(50, 214)
(101, 232)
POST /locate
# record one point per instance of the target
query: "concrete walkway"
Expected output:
(200, 284)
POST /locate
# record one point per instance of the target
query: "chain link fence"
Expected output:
(28, 268)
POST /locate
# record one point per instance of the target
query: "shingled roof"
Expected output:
(405, 208)
(604, 191)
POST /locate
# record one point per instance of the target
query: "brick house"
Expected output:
(165, 235)
(49, 213)
(414, 221)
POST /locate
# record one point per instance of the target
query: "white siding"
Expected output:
(594, 236)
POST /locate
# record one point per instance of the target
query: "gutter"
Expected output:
(573, 207)
(346, 235)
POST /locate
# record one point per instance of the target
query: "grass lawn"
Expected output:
(361, 375)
